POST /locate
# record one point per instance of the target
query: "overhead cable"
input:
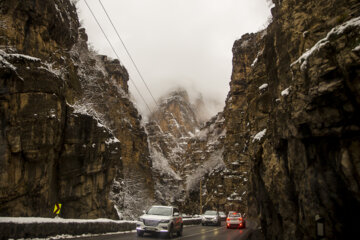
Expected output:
(112, 47)
(127, 51)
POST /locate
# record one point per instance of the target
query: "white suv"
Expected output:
(211, 217)
(160, 219)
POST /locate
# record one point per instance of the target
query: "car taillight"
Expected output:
(240, 219)
(228, 219)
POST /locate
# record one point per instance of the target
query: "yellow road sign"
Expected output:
(57, 208)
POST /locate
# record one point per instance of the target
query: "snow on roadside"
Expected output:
(27, 220)
(64, 236)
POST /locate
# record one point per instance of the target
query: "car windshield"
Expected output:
(221, 213)
(210, 213)
(162, 211)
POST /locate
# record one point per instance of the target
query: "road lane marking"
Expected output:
(202, 232)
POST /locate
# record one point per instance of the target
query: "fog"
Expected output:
(175, 43)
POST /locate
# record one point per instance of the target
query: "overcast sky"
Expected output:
(176, 43)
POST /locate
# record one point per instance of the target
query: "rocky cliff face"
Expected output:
(285, 149)
(169, 129)
(68, 128)
(188, 158)
(292, 118)
(204, 168)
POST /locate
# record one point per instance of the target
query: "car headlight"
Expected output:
(141, 220)
(164, 221)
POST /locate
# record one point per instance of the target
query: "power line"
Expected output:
(112, 47)
(127, 51)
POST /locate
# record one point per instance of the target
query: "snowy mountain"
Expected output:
(185, 153)
(285, 149)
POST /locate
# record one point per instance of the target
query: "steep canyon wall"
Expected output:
(68, 128)
(293, 108)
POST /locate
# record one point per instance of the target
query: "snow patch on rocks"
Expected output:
(215, 161)
(285, 92)
(338, 30)
(259, 135)
(161, 164)
(263, 86)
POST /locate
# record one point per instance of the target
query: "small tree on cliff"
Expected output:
(128, 194)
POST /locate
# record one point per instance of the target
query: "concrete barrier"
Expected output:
(45, 227)
(42, 227)
(191, 221)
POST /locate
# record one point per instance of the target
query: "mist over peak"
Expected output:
(204, 107)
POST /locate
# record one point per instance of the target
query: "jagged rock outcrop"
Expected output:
(184, 151)
(175, 115)
(169, 129)
(69, 132)
(204, 168)
(186, 155)
(238, 135)
(105, 96)
(293, 109)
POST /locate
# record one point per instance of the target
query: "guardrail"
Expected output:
(23, 227)
(191, 221)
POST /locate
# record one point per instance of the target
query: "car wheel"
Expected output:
(179, 233)
(140, 233)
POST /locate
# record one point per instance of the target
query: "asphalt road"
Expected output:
(194, 232)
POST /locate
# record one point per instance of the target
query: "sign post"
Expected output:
(200, 198)
(320, 227)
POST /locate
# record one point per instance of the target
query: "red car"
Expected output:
(235, 220)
